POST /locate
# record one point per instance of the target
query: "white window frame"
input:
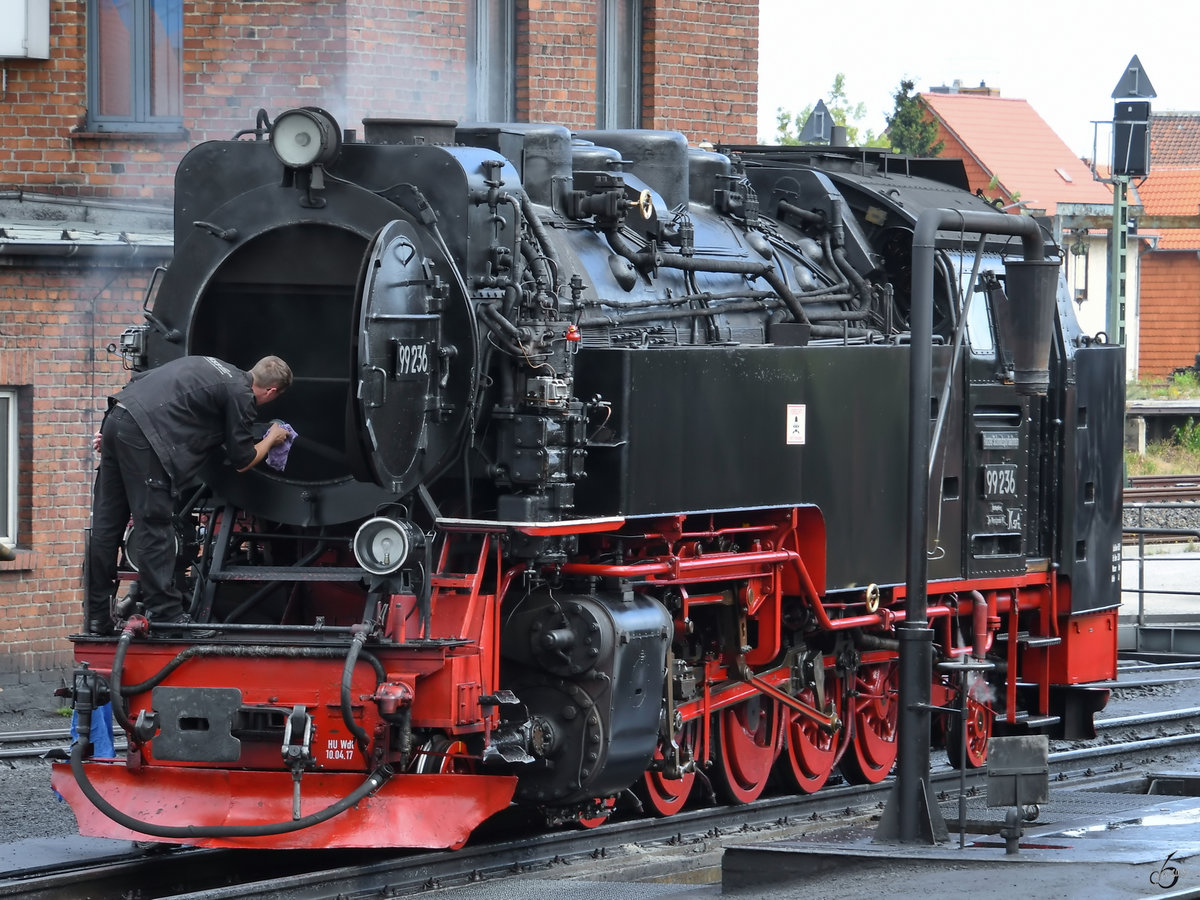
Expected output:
(9, 466)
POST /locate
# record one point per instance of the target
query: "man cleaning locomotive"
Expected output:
(157, 434)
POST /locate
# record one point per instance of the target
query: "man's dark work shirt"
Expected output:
(188, 408)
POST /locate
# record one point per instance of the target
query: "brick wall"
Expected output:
(1169, 318)
(365, 58)
(57, 321)
(700, 69)
(556, 62)
(405, 60)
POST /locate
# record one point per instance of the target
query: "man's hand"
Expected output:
(96, 442)
(275, 435)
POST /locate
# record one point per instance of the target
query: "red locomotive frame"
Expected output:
(758, 710)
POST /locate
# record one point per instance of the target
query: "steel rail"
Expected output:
(351, 874)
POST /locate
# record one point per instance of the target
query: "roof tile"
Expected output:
(1172, 192)
(1013, 143)
(1174, 139)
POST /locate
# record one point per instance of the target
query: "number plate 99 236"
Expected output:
(1000, 481)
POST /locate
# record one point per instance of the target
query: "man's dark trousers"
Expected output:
(131, 481)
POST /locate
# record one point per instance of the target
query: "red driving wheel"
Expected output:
(746, 744)
(666, 796)
(811, 749)
(979, 729)
(875, 709)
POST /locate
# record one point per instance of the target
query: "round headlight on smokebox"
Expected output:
(382, 545)
(305, 137)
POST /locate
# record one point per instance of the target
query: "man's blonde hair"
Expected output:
(272, 372)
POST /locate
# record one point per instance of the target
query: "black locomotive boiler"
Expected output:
(599, 489)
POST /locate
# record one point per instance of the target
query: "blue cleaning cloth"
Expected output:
(277, 456)
(101, 734)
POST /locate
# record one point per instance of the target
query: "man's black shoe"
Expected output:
(129, 605)
(180, 628)
(101, 626)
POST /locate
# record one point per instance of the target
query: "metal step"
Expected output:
(1023, 637)
(1032, 721)
(1042, 641)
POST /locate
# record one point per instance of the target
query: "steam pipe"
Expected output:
(626, 318)
(911, 800)
(702, 264)
(839, 257)
(538, 227)
(832, 247)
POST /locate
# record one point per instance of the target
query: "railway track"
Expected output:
(513, 845)
(221, 875)
(1162, 489)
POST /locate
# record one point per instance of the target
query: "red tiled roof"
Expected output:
(1174, 139)
(1012, 142)
(1172, 192)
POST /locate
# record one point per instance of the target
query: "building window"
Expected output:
(135, 65)
(619, 65)
(491, 61)
(8, 466)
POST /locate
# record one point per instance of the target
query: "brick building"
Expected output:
(101, 100)
(1170, 273)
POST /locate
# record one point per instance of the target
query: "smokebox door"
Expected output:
(396, 362)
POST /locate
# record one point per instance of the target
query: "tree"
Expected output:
(789, 125)
(908, 130)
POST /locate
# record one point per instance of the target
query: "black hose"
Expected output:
(120, 713)
(808, 216)
(249, 651)
(360, 733)
(861, 289)
(374, 782)
(504, 333)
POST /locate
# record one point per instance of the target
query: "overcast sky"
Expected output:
(1064, 58)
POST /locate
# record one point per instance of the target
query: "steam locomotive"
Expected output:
(598, 493)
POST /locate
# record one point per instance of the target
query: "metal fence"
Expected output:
(1160, 585)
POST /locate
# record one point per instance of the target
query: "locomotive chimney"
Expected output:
(1025, 318)
(409, 131)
